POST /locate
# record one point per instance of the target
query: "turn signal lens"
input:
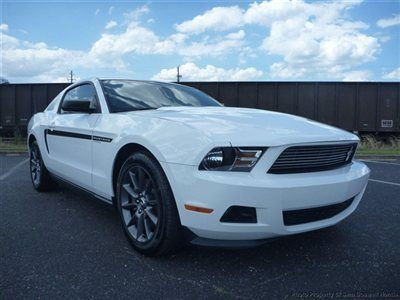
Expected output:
(246, 158)
(199, 209)
(241, 159)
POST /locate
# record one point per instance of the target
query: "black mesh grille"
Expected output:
(301, 159)
(301, 216)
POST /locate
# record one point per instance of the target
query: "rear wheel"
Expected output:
(40, 177)
(147, 207)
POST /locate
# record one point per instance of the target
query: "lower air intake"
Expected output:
(239, 214)
(301, 216)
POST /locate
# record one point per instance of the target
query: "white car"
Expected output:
(180, 166)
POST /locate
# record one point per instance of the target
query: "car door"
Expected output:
(69, 137)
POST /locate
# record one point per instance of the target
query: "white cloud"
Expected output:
(8, 42)
(307, 39)
(217, 18)
(361, 75)
(29, 61)
(261, 13)
(190, 71)
(311, 37)
(111, 24)
(266, 12)
(141, 40)
(110, 10)
(236, 35)
(393, 75)
(137, 13)
(285, 71)
(97, 12)
(137, 39)
(245, 53)
(382, 37)
(317, 48)
(3, 27)
(37, 62)
(393, 21)
(216, 47)
(314, 39)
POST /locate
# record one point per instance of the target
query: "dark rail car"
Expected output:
(354, 106)
(18, 102)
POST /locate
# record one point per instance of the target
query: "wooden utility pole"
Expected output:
(178, 76)
(71, 77)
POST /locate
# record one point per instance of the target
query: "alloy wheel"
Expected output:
(139, 204)
(35, 165)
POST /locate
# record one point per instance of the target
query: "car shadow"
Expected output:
(280, 251)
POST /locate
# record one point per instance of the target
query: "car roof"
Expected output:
(93, 79)
(138, 80)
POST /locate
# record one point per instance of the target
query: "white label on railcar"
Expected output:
(387, 123)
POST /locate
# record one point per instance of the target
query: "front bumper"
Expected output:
(270, 194)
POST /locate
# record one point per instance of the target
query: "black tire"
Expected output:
(40, 176)
(147, 208)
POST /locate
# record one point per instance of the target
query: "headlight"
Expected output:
(241, 159)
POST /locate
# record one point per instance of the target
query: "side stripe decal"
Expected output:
(74, 135)
(70, 134)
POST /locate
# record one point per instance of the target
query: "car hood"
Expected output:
(251, 127)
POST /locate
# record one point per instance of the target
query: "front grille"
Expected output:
(301, 216)
(301, 159)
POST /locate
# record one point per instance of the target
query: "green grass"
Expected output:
(370, 145)
(13, 145)
(378, 152)
(12, 148)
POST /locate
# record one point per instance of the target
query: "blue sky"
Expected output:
(265, 40)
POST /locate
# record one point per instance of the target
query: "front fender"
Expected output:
(168, 141)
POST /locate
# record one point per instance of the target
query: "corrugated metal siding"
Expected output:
(347, 106)
(18, 102)
(365, 107)
(306, 100)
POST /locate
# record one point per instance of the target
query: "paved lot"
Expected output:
(66, 245)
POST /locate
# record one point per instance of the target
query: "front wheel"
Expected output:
(147, 206)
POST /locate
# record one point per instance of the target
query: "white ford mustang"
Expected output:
(180, 166)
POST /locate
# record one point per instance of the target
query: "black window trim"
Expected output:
(98, 106)
(105, 97)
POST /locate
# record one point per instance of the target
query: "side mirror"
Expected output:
(82, 106)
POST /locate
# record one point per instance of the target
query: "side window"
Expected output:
(81, 92)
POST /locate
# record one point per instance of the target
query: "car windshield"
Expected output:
(129, 95)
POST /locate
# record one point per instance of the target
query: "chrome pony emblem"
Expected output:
(349, 154)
